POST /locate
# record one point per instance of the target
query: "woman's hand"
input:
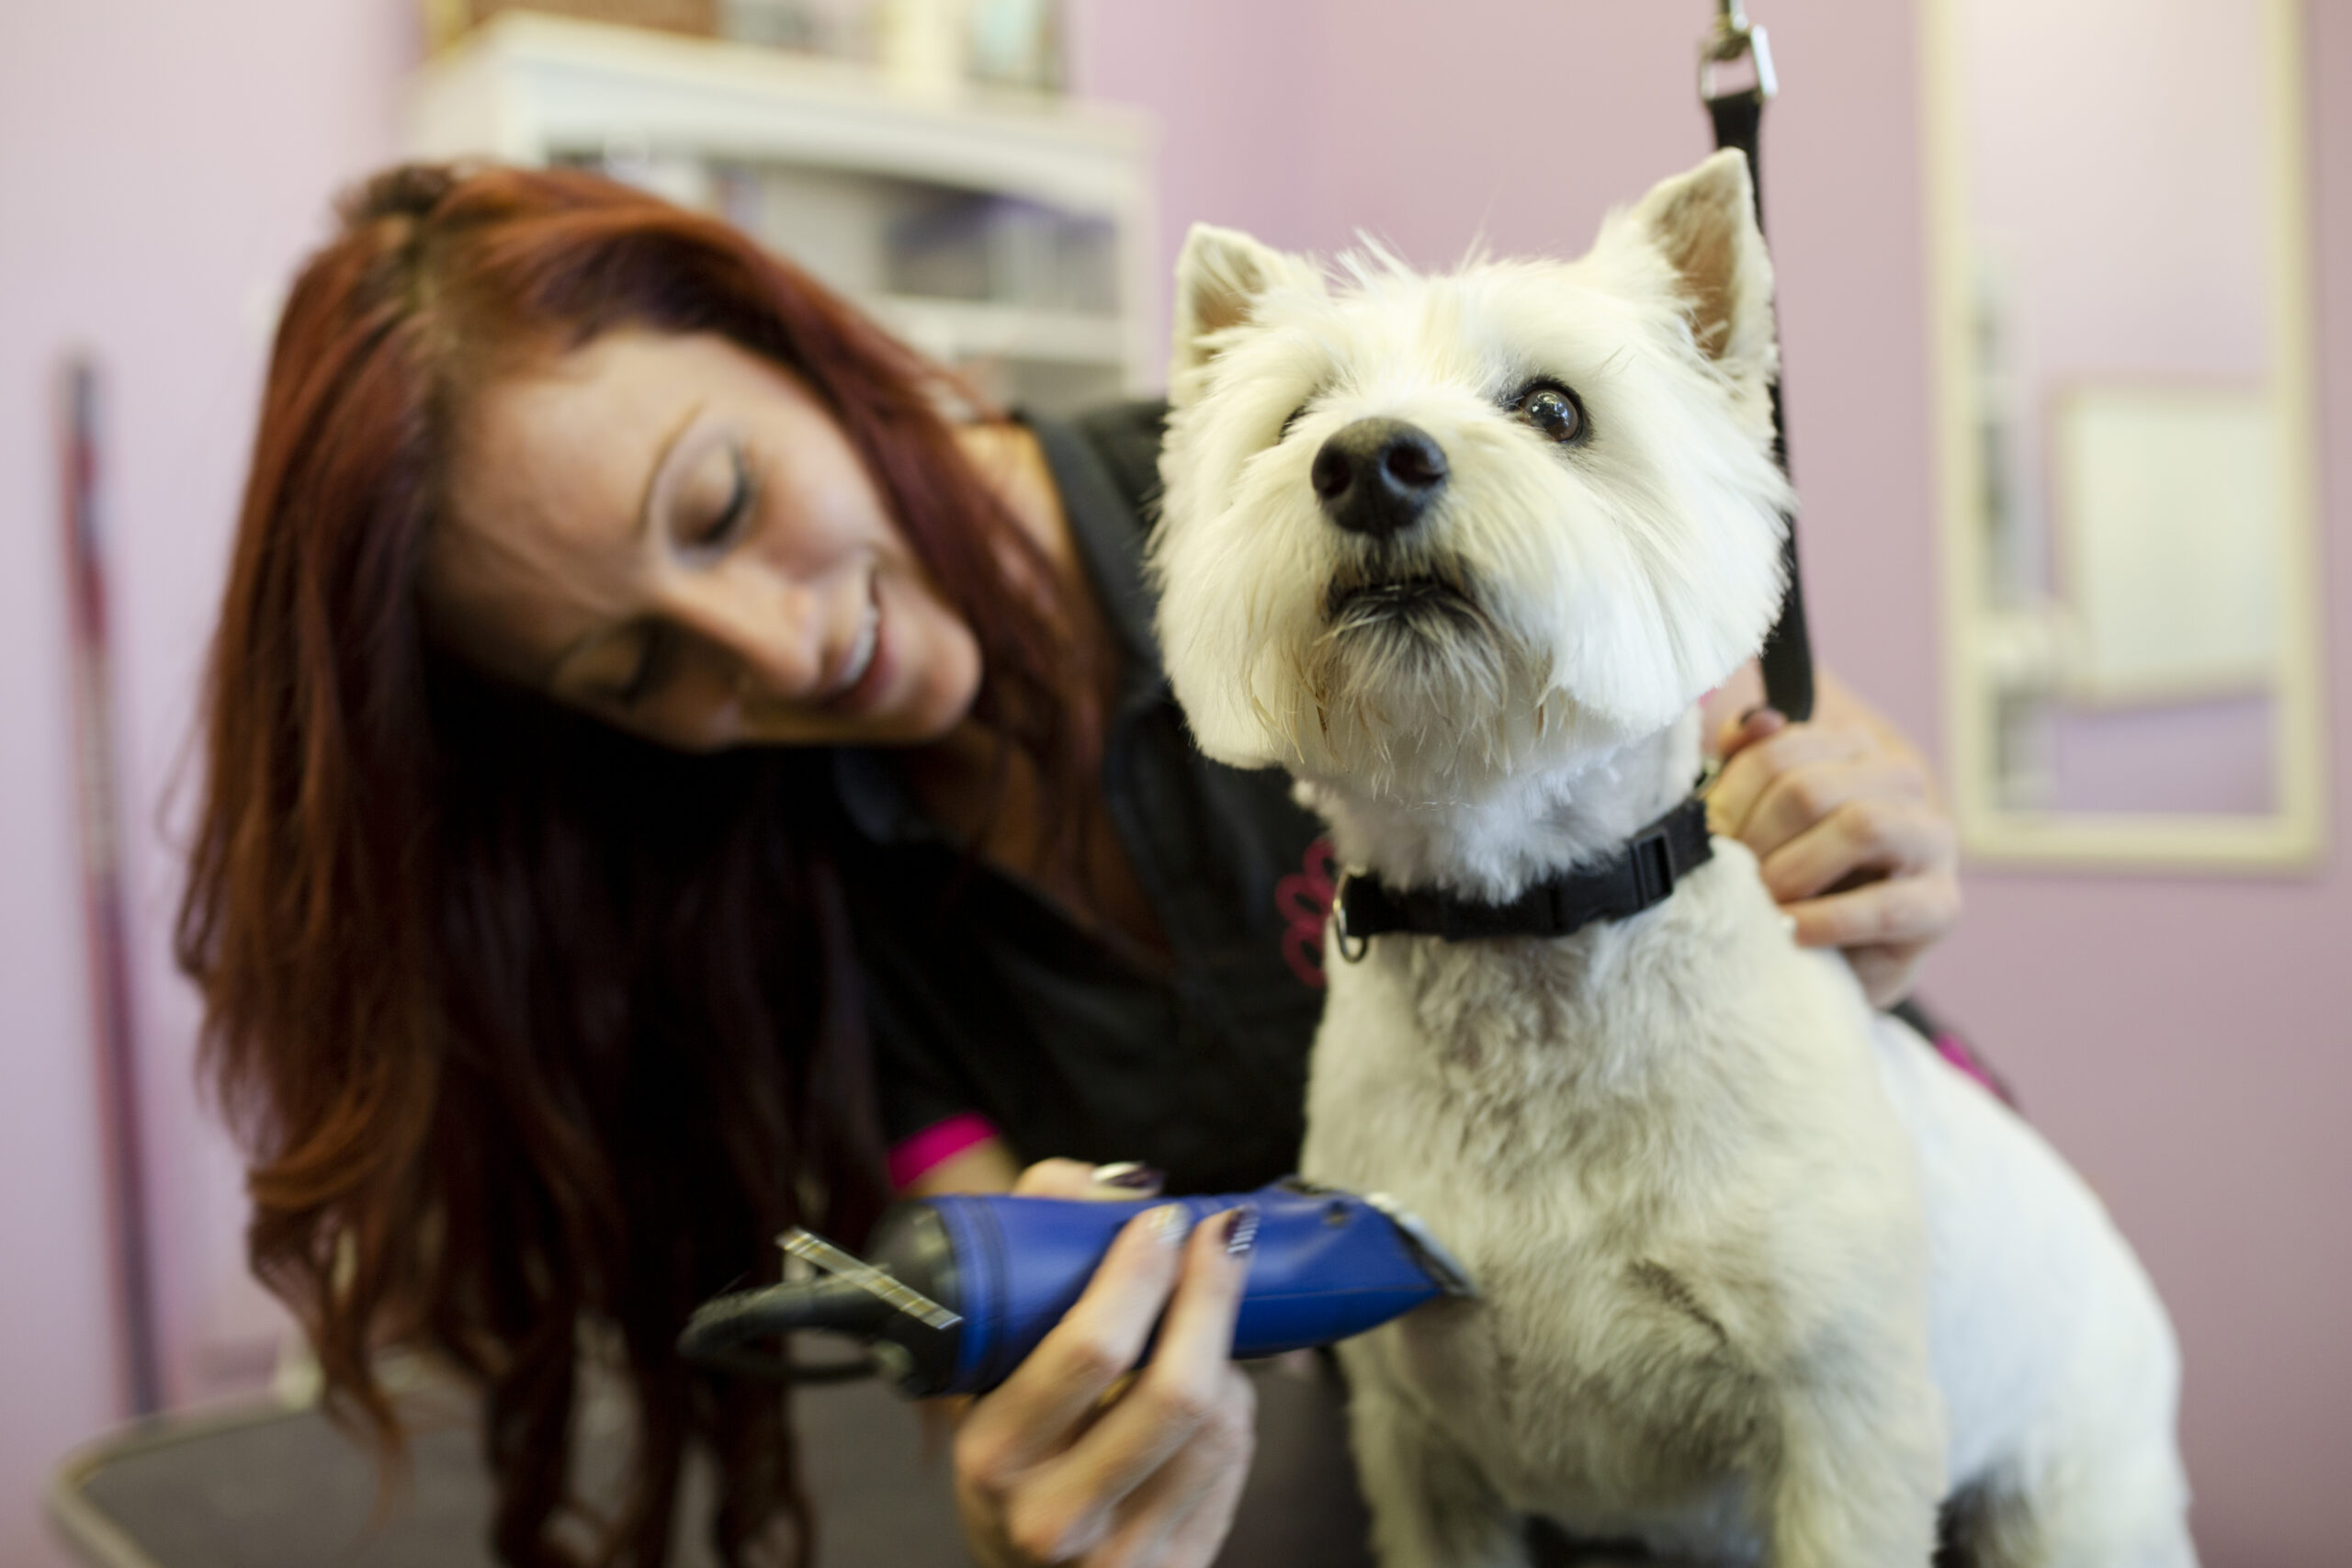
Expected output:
(1077, 1459)
(1844, 818)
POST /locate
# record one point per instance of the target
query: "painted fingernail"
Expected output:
(1129, 1176)
(1764, 711)
(1240, 1229)
(1171, 1222)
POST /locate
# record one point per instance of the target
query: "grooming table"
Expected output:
(268, 1487)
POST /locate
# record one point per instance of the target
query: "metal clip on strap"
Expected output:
(1737, 113)
(1735, 39)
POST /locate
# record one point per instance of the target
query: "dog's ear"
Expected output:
(1703, 223)
(1219, 277)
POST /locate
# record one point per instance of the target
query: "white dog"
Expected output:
(1760, 1278)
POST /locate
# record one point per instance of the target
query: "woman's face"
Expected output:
(672, 534)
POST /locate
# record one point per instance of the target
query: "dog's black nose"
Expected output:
(1377, 475)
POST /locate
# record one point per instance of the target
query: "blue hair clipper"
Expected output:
(960, 1290)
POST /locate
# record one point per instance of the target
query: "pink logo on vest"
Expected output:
(1304, 900)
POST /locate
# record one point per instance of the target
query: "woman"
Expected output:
(667, 784)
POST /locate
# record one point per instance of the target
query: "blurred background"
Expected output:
(2157, 949)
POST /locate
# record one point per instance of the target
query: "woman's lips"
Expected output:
(860, 676)
(861, 653)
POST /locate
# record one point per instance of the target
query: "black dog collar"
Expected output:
(1641, 877)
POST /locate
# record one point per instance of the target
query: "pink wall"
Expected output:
(2184, 1040)
(161, 164)
(2117, 186)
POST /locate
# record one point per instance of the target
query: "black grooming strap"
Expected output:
(1641, 877)
(1787, 659)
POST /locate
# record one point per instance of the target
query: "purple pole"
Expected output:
(112, 1020)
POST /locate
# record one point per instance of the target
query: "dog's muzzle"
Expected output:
(1421, 601)
(1377, 477)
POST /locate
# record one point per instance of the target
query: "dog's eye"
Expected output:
(1296, 415)
(1553, 410)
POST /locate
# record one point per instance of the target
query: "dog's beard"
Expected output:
(1406, 649)
(1411, 683)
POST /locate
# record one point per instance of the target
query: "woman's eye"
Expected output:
(722, 524)
(1554, 411)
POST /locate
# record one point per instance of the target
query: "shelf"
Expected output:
(960, 330)
(528, 88)
(831, 162)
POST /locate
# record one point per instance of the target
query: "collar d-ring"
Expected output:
(1351, 946)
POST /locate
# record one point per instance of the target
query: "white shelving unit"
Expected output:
(1008, 235)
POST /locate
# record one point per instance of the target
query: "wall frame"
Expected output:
(1991, 650)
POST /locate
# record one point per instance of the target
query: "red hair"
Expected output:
(527, 1024)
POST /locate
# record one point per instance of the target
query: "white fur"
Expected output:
(1760, 1279)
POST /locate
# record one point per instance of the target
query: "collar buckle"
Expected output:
(1652, 861)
